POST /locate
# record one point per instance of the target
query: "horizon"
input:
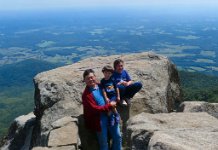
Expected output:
(162, 11)
(11, 9)
(39, 5)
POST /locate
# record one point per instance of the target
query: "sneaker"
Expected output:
(111, 120)
(117, 118)
(128, 101)
(123, 103)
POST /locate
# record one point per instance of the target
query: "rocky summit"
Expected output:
(57, 120)
(173, 131)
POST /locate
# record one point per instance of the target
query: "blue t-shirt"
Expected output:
(110, 87)
(123, 76)
(98, 96)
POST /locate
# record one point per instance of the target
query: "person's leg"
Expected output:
(116, 116)
(111, 119)
(122, 90)
(103, 136)
(116, 137)
(114, 110)
(132, 89)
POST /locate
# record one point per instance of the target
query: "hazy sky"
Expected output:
(50, 4)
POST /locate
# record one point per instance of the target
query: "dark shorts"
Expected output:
(114, 98)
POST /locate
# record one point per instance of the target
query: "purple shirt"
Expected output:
(123, 76)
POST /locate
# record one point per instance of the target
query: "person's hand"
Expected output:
(107, 100)
(125, 83)
(122, 83)
(119, 83)
(118, 99)
(113, 104)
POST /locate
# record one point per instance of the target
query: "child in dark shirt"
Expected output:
(110, 93)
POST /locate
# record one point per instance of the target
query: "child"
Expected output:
(110, 93)
(126, 86)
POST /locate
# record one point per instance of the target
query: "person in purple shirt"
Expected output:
(126, 86)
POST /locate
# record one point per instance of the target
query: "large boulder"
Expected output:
(58, 105)
(199, 106)
(183, 140)
(20, 133)
(177, 131)
(58, 91)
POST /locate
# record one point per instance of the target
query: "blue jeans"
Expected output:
(129, 91)
(114, 133)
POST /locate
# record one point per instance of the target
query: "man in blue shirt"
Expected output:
(95, 113)
(127, 87)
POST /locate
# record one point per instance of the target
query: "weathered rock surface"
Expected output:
(173, 131)
(199, 106)
(59, 91)
(63, 121)
(59, 123)
(184, 140)
(56, 148)
(58, 94)
(66, 135)
(20, 132)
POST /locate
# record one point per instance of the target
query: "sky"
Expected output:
(54, 4)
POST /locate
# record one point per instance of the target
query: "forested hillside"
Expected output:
(197, 86)
(17, 90)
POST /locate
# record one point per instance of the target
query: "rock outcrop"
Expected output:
(20, 131)
(58, 92)
(148, 123)
(199, 106)
(58, 107)
(173, 131)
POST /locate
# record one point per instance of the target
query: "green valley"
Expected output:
(17, 89)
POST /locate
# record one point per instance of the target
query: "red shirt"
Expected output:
(92, 111)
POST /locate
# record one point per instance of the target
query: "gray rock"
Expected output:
(20, 133)
(71, 147)
(40, 148)
(58, 91)
(184, 140)
(172, 131)
(66, 135)
(63, 121)
(199, 106)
